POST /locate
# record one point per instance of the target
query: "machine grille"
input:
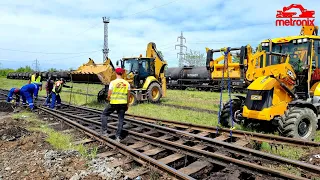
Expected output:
(259, 99)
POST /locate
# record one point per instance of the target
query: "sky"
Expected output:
(64, 34)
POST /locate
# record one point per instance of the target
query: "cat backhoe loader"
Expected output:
(145, 75)
(239, 72)
(286, 92)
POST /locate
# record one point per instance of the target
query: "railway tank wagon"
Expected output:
(189, 77)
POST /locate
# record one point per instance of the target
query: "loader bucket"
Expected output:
(94, 73)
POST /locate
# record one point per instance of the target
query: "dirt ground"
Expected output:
(26, 155)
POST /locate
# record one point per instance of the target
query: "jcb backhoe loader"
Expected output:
(239, 72)
(286, 92)
(145, 75)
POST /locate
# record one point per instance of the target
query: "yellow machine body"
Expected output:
(284, 72)
(269, 90)
(105, 73)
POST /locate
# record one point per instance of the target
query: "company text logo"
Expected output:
(285, 17)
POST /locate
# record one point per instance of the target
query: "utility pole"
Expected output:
(36, 64)
(105, 49)
(181, 45)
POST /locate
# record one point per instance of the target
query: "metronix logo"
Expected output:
(287, 18)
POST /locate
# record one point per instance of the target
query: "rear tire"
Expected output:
(226, 118)
(299, 123)
(133, 99)
(154, 93)
(102, 96)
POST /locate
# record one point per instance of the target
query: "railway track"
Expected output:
(239, 137)
(182, 153)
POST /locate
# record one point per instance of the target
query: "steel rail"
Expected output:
(213, 129)
(119, 145)
(194, 150)
(305, 166)
(273, 139)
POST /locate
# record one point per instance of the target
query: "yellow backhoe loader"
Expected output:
(286, 92)
(145, 75)
(239, 72)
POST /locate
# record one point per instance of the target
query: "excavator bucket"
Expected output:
(94, 73)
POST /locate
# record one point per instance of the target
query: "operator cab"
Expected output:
(299, 50)
(140, 68)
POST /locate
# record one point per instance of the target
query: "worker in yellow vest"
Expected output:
(118, 97)
(55, 93)
(36, 79)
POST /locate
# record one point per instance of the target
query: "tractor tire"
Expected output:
(102, 96)
(299, 123)
(154, 93)
(226, 118)
(133, 100)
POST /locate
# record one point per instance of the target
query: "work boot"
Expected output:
(104, 133)
(118, 139)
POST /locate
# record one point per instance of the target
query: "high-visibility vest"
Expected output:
(120, 92)
(34, 80)
(57, 87)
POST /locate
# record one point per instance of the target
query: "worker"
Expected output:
(27, 92)
(55, 94)
(49, 87)
(118, 97)
(36, 79)
(16, 92)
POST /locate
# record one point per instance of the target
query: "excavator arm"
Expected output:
(309, 30)
(159, 64)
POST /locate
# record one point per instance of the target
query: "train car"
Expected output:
(189, 77)
(44, 75)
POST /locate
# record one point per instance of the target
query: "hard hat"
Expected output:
(119, 71)
(16, 90)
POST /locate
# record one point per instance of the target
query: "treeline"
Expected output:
(4, 72)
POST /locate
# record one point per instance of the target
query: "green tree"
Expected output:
(4, 72)
(160, 53)
(236, 57)
(24, 69)
(195, 58)
(52, 70)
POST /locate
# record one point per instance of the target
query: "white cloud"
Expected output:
(65, 26)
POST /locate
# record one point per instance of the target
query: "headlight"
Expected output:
(299, 40)
(294, 41)
(305, 40)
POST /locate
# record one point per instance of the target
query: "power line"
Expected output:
(181, 45)
(36, 64)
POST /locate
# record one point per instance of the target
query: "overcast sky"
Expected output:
(63, 34)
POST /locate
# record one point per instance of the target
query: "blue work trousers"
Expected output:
(55, 97)
(26, 96)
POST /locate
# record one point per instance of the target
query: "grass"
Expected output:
(287, 151)
(56, 139)
(198, 99)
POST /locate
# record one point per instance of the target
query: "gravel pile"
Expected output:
(100, 168)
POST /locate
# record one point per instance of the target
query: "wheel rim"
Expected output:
(236, 115)
(303, 127)
(155, 93)
(131, 99)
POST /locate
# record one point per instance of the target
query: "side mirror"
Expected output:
(117, 63)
